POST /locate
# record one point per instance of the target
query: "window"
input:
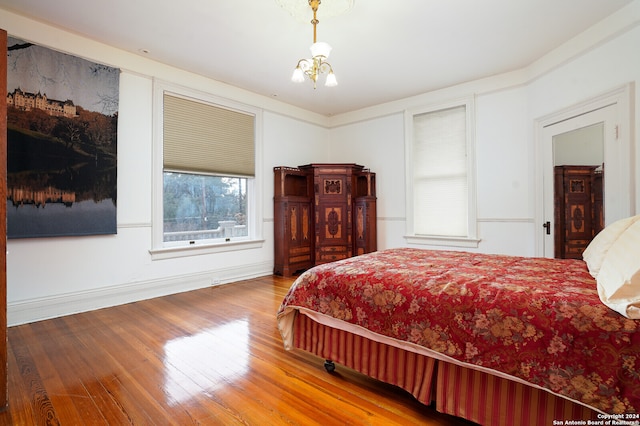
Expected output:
(205, 157)
(441, 195)
(203, 207)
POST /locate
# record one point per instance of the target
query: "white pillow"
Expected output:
(619, 276)
(597, 249)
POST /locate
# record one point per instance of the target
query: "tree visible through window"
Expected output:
(198, 206)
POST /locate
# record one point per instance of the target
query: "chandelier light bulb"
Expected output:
(298, 75)
(331, 80)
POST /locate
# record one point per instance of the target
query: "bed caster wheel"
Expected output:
(329, 366)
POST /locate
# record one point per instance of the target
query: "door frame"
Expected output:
(622, 98)
(613, 205)
(4, 374)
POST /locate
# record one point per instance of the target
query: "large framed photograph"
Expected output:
(62, 120)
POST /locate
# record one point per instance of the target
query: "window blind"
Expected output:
(440, 173)
(200, 137)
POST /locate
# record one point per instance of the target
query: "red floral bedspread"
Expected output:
(536, 319)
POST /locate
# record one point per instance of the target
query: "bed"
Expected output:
(495, 339)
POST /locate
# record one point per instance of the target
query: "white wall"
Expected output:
(51, 277)
(48, 277)
(600, 60)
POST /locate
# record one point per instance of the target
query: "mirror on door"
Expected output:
(578, 189)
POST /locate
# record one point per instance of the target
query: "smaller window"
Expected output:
(204, 207)
(441, 175)
(440, 183)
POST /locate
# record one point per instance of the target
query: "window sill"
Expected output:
(200, 249)
(432, 240)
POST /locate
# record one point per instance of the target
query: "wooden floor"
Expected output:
(211, 356)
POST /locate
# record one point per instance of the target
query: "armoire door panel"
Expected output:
(333, 225)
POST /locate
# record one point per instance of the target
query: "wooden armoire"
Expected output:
(578, 206)
(322, 213)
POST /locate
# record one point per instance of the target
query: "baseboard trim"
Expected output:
(32, 310)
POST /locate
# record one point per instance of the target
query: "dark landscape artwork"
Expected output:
(62, 119)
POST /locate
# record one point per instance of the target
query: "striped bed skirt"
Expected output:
(459, 391)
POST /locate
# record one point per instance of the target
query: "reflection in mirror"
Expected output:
(580, 147)
(578, 157)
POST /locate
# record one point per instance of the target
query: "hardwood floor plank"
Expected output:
(96, 367)
(208, 357)
(72, 370)
(26, 388)
(52, 398)
(138, 379)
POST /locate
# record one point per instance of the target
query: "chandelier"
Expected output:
(317, 64)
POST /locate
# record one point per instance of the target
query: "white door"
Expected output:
(615, 197)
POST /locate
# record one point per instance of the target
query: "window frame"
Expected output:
(165, 250)
(471, 239)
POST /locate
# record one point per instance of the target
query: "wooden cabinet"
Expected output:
(322, 213)
(578, 209)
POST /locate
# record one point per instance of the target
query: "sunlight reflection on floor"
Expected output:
(199, 364)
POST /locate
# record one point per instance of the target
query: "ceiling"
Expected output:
(383, 50)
